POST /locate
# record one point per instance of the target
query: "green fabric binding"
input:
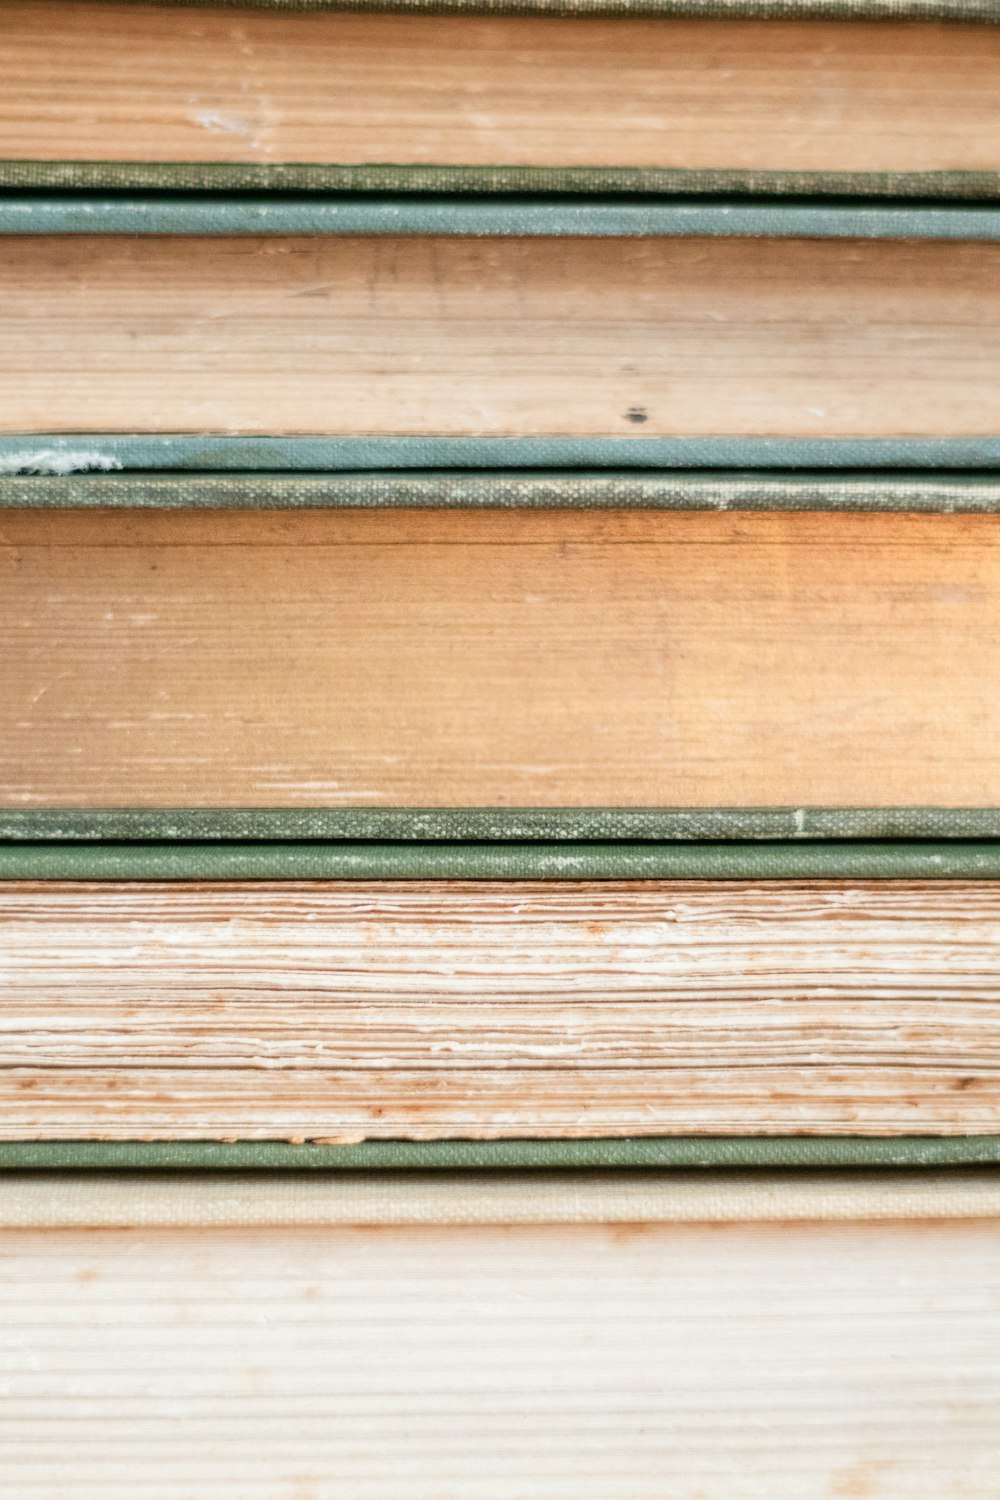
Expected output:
(666, 490)
(555, 825)
(58, 454)
(387, 177)
(355, 860)
(635, 1152)
(249, 214)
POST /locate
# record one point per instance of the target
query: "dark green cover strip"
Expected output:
(465, 1155)
(862, 860)
(386, 177)
(850, 10)
(62, 454)
(263, 825)
(377, 215)
(572, 490)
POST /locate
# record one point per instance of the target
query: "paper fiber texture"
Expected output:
(52, 1202)
(648, 1153)
(670, 489)
(550, 1361)
(249, 214)
(850, 10)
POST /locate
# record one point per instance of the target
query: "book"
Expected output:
(527, 329)
(651, 1335)
(496, 792)
(496, 657)
(347, 1011)
(892, 99)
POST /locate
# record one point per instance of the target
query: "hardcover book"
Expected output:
(349, 1011)
(559, 1335)
(501, 656)
(576, 324)
(873, 99)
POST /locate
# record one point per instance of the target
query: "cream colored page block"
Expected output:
(152, 83)
(653, 1362)
(481, 659)
(352, 1010)
(494, 337)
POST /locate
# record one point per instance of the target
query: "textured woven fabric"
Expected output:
(53, 1202)
(248, 214)
(108, 453)
(946, 494)
(627, 1153)
(356, 860)
(334, 177)
(506, 825)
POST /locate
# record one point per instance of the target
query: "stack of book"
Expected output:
(500, 749)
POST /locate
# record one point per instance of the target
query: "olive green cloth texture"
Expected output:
(448, 825)
(414, 214)
(267, 458)
(959, 859)
(389, 177)
(627, 1152)
(701, 490)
